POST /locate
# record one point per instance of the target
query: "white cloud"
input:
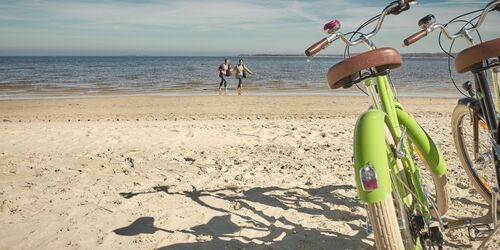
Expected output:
(298, 8)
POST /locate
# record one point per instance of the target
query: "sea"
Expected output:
(88, 76)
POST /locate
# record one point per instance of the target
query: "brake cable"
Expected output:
(357, 31)
(451, 21)
(449, 60)
(347, 50)
(448, 53)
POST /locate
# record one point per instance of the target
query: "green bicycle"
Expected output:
(404, 211)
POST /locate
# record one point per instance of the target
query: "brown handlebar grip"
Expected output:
(317, 47)
(415, 37)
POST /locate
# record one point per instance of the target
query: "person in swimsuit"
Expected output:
(241, 72)
(224, 70)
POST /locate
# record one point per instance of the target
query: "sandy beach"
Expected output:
(212, 172)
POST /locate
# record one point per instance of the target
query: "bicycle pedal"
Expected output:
(479, 231)
(458, 224)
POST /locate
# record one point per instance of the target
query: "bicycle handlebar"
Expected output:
(393, 8)
(494, 5)
(317, 47)
(415, 37)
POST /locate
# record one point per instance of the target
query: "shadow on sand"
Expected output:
(278, 232)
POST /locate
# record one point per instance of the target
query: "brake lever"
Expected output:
(402, 8)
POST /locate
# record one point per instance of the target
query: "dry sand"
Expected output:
(196, 173)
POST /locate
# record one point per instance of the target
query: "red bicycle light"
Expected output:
(332, 26)
(368, 177)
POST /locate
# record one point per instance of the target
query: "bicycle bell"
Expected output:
(332, 26)
(427, 21)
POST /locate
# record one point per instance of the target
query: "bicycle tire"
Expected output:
(385, 224)
(386, 215)
(479, 183)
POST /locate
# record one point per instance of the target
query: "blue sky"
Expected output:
(218, 27)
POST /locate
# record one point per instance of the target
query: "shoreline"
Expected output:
(291, 93)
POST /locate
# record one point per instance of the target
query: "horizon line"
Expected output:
(233, 55)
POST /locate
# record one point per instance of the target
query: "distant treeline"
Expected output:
(441, 54)
(407, 55)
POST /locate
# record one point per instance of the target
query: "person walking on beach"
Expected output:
(241, 72)
(224, 70)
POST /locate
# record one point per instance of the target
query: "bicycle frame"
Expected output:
(387, 112)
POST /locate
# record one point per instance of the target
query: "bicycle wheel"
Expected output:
(480, 166)
(434, 187)
(438, 192)
(385, 215)
(389, 217)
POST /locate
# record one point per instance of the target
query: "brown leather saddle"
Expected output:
(468, 58)
(348, 70)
